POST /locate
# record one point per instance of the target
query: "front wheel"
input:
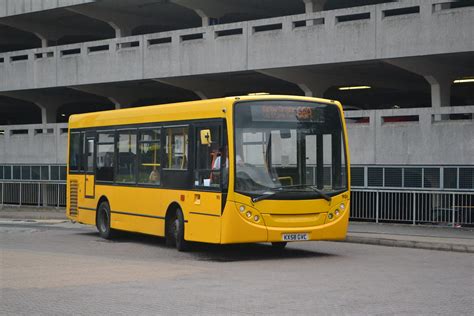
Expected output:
(176, 232)
(279, 245)
(103, 221)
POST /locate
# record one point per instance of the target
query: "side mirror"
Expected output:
(206, 137)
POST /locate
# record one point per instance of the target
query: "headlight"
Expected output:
(249, 214)
(242, 208)
(342, 206)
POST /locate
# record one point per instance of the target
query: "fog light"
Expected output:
(249, 214)
(336, 212)
(330, 216)
(342, 207)
(242, 208)
(256, 218)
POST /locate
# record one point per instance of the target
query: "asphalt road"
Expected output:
(66, 269)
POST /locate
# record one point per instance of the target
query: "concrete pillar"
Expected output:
(314, 5)
(440, 90)
(49, 112)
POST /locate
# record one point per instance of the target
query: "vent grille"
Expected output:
(73, 198)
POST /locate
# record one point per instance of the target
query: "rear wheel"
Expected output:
(103, 221)
(279, 245)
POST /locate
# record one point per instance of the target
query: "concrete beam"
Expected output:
(313, 85)
(204, 89)
(121, 97)
(48, 104)
(123, 23)
(208, 9)
(45, 32)
(438, 76)
(18, 7)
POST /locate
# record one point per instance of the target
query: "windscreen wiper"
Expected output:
(312, 187)
(266, 195)
(263, 196)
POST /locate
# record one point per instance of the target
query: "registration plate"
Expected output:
(295, 237)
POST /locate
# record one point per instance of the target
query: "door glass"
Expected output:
(211, 158)
(90, 155)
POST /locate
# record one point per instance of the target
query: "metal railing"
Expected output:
(43, 194)
(397, 206)
(416, 207)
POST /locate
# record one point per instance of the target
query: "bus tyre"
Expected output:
(177, 232)
(103, 221)
(279, 245)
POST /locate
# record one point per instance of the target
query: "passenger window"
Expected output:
(127, 156)
(211, 158)
(176, 151)
(150, 156)
(105, 156)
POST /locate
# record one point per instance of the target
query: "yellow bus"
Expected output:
(256, 168)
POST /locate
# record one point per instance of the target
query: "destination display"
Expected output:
(287, 113)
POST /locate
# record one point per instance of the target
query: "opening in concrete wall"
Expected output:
(12, 39)
(13, 112)
(66, 110)
(339, 4)
(381, 98)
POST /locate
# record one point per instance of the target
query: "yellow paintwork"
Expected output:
(275, 217)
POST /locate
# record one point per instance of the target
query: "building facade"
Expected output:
(402, 69)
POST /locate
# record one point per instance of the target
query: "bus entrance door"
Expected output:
(90, 174)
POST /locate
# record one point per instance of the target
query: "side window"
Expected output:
(76, 146)
(149, 147)
(211, 157)
(127, 156)
(176, 150)
(105, 156)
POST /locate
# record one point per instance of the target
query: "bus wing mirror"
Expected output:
(206, 137)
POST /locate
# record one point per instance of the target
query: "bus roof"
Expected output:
(202, 109)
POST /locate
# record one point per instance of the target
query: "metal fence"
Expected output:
(416, 207)
(33, 193)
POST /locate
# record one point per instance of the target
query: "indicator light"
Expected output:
(242, 208)
(330, 215)
(256, 218)
(342, 207)
(249, 214)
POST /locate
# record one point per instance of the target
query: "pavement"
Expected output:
(444, 238)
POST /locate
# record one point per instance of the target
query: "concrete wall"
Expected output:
(330, 40)
(432, 140)
(428, 141)
(45, 147)
(15, 7)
